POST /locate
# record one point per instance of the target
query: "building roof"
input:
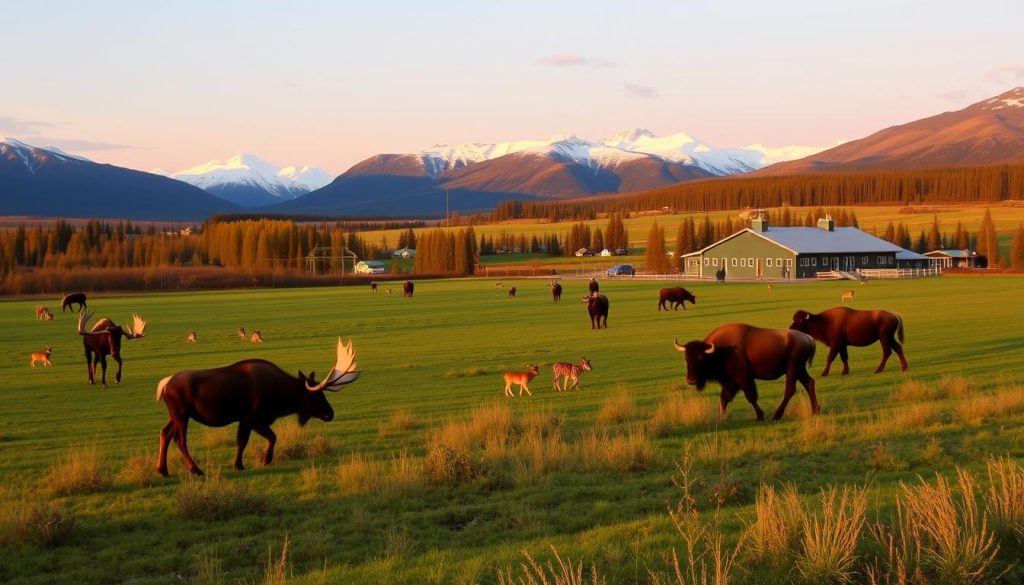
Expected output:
(376, 263)
(909, 255)
(814, 240)
(950, 253)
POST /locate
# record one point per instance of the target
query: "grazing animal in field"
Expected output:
(512, 292)
(253, 393)
(556, 291)
(241, 334)
(735, 355)
(43, 313)
(257, 337)
(387, 291)
(597, 306)
(497, 288)
(73, 299)
(407, 288)
(592, 286)
(105, 339)
(191, 337)
(42, 356)
(521, 378)
(847, 295)
(840, 327)
(677, 296)
(373, 287)
(863, 282)
(770, 288)
(567, 371)
(720, 276)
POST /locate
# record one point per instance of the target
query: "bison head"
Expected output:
(697, 355)
(313, 404)
(801, 321)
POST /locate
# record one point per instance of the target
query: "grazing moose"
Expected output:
(521, 378)
(597, 306)
(840, 327)
(42, 356)
(254, 393)
(592, 286)
(556, 291)
(677, 296)
(847, 295)
(105, 339)
(512, 292)
(735, 355)
(257, 337)
(407, 288)
(43, 313)
(191, 337)
(720, 276)
(373, 287)
(73, 299)
(567, 371)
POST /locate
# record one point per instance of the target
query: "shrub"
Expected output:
(630, 452)
(35, 522)
(138, 470)
(79, 471)
(680, 411)
(212, 498)
(358, 474)
(449, 467)
(616, 409)
(399, 421)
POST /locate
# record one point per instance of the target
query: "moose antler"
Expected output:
(138, 328)
(83, 318)
(344, 370)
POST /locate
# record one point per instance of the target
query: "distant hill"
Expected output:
(48, 182)
(986, 133)
(249, 181)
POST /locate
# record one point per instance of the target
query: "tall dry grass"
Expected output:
(1004, 401)
(775, 530)
(295, 442)
(617, 409)
(138, 470)
(818, 431)
(679, 411)
(399, 421)
(631, 451)
(556, 571)
(214, 498)
(80, 470)
(1004, 498)
(358, 474)
(34, 521)
(828, 548)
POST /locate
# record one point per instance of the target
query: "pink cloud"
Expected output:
(641, 91)
(572, 60)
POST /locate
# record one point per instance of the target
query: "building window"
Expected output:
(714, 261)
(778, 261)
(743, 262)
(707, 262)
(769, 263)
(814, 261)
(789, 261)
(750, 262)
(734, 261)
(864, 260)
(805, 262)
(881, 260)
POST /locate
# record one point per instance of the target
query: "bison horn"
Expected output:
(344, 370)
(678, 346)
(710, 349)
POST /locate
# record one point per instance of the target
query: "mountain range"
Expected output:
(249, 181)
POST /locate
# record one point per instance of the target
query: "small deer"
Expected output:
(257, 337)
(387, 291)
(521, 378)
(43, 313)
(191, 337)
(42, 356)
(770, 288)
(847, 295)
(241, 333)
(568, 371)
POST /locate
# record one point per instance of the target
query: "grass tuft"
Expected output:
(678, 412)
(828, 550)
(213, 498)
(35, 522)
(557, 571)
(401, 420)
(78, 471)
(138, 470)
(977, 407)
(358, 474)
(616, 409)
(446, 466)
(630, 452)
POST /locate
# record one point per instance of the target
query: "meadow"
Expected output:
(428, 474)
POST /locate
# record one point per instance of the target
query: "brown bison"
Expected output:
(373, 287)
(72, 299)
(512, 292)
(407, 288)
(556, 291)
(105, 339)
(840, 327)
(597, 306)
(677, 296)
(736, 354)
(253, 393)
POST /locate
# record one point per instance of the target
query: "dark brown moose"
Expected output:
(735, 355)
(677, 296)
(407, 288)
(597, 306)
(72, 299)
(840, 327)
(253, 393)
(556, 291)
(105, 339)
(592, 286)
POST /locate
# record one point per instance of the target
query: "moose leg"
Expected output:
(182, 439)
(117, 358)
(165, 437)
(844, 354)
(103, 363)
(241, 440)
(832, 351)
(266, 433)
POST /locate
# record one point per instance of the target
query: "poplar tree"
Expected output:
(1017, 249)
(655, 259)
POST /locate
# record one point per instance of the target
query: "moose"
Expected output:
(677, 296)
(42, 356)
(840, 327)
(43, 313)
(556, 291)
(105, 339)
(73, 299)
(254, 393)
(512, 292)
(567, 371)
(407, 288)
(593, 287)
(597, 306)
(521, 378)
(736, 354)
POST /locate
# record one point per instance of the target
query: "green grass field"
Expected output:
(369, 502)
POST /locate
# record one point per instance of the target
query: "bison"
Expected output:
(105, 339)
(72, 299)
(841, 327)
(253, 393)
(677, 296)
(512, 292)
(597, 306)
(407, 288)
(556, 291)
(736, 354)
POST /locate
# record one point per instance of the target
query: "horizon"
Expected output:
(323, 86)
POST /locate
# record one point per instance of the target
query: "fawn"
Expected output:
(521, 378)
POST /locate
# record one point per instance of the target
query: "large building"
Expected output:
(761, 251)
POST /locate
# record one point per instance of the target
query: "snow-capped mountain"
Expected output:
(46, 181)
(249, 181)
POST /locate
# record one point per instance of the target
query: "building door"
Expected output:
(759, 273)
(835, 263)
(725, 263)
(850, 261)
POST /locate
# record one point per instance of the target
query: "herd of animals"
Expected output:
(255, 392)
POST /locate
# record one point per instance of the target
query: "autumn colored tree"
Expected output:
(655, 257)
(1017, 249)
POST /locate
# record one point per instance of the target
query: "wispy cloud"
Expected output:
(1012, 73)
(572, 60)
(74, 144)
(641, 91)
(15, 125)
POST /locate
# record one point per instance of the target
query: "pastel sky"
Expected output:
(174, 84)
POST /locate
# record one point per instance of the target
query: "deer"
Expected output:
(257, 337)
(191, 337)
(847, 295)
(521, 378)
(241, 333)
(566, 371)
(43, 313)
(770, 288)
(42, 356)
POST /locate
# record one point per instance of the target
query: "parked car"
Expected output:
(622, 270)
